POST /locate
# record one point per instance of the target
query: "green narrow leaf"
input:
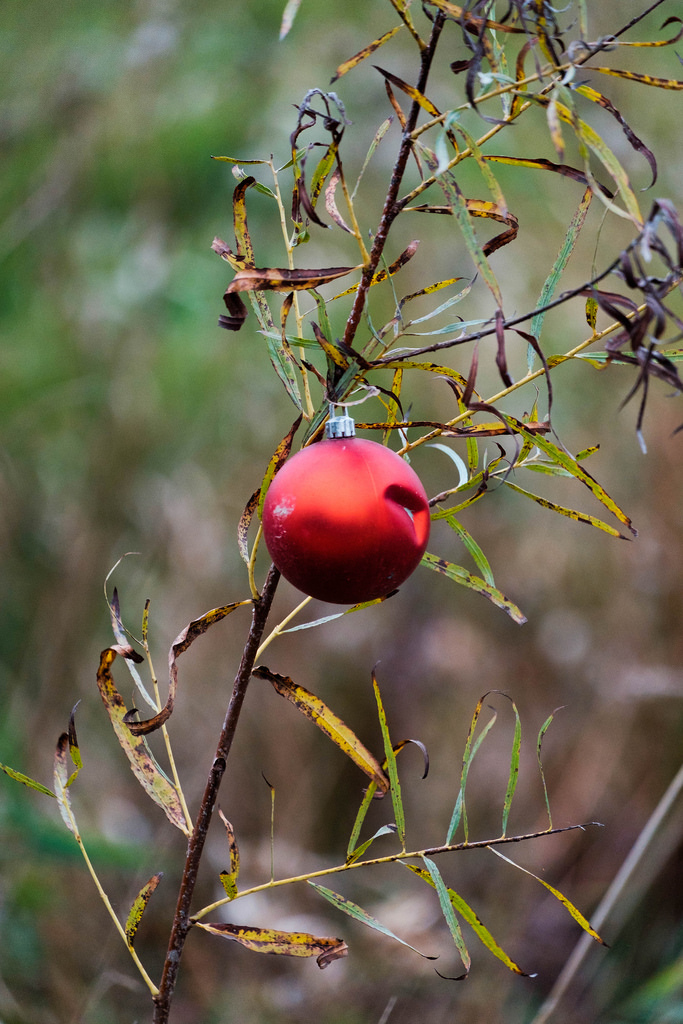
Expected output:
(475, 551)
(579, 517)
(547, 468)
(139, 906)
(458, 204)
(321, 173)
(479, 929)
(353, 910)
(377, 138)
(466, 579)
(358, 852)
(596, 143)
(392, 770)
(471, 748)
(539, 742)
(368, 797)
(562, 458)
(281, 358)
(514, 767)
(229, 884)
(323, 317)
(494, 188)
(567, 904)
(449, 913)
(586, 452)
(463, 475)
(334, 615)
(25, 780)
(352, 853)
(239, 160)
(551, 282)
(429, 290)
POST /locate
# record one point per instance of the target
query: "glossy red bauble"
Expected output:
(346, 520)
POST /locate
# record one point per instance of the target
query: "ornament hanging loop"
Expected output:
(340, 426)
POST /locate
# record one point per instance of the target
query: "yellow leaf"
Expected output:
(268, 940)
(317, 711)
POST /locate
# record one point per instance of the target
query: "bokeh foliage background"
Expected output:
(129, 422)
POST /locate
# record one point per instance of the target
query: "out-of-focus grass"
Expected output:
(129, 422)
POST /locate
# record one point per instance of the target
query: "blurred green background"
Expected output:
(131, 423)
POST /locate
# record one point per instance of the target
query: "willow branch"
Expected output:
(391, 207)
(393, 858)
(181, 921)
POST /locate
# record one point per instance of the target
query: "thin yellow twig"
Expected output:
(66, 808)
(281, 625)
(310, 408)
(169, 749)
(251, 568)
(390, 859)
(514, 387)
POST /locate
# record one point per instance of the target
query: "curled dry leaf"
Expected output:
(143, 765)
(181, 643)
(269, 940)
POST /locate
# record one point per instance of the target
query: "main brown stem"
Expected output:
(181, 921)
(391, 206)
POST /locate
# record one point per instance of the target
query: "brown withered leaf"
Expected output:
(330, 955)
(239, 214)
(270, 940)
(541, 164)
(635, 141)
(226, 253)
(501, 358)
(331, 202)
(60, 777)
(463, 16)
(474, 430)
(479, 208)
(277, 279)
(383, 275)
(237, 313)
(244, 524)
(181, 643)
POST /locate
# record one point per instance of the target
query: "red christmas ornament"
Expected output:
(346, 520)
